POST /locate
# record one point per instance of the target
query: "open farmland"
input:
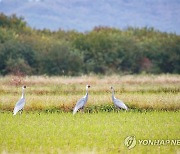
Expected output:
(62, 93)
(48, 126)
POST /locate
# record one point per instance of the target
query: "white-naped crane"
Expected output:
(81, 103)
(21, 103)
(118, 103)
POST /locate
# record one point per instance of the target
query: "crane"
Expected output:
(20, 104)
(81, 103)
(118, 103)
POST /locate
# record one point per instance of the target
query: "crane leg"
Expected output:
(21, 111)
(82, 110)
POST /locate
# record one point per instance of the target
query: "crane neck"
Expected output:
(87, 92)
(23, 93)
(112, 93)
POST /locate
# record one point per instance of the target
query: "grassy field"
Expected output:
(62, 93)
(96, 133)
(48, 126)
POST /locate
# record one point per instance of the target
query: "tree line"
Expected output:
(103, 50)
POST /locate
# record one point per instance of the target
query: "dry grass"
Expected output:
(137, 91)
(114, 79)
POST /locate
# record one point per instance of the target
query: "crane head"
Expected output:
(87, 86)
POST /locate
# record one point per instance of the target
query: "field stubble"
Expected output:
(61, 93)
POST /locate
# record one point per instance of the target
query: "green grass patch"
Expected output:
(39, 132)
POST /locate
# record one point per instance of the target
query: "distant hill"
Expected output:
(83, 15)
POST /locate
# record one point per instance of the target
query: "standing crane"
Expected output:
(81, 103)
(118, 103)
(20, 104)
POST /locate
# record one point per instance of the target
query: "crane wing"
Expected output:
(19, 105)
(79, 105)
(120, 104)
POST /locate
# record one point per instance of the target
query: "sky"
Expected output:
(84, 15)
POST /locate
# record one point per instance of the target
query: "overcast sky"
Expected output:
(83, 15)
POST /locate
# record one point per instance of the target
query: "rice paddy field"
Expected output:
(48, 126)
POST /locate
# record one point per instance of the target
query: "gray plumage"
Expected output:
(81, 103)
(118, 103)
(21, 103)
